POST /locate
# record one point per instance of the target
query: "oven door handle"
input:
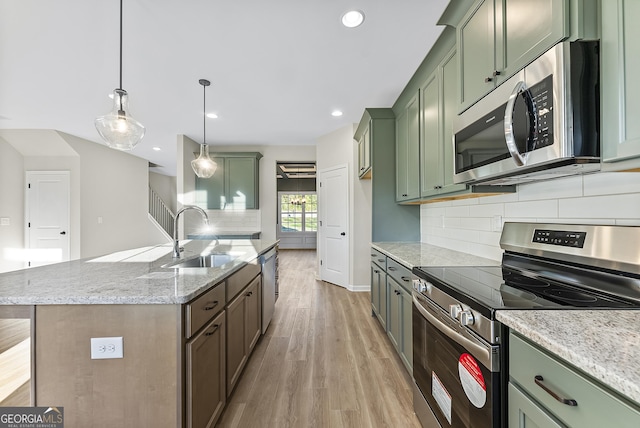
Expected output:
(482, 352)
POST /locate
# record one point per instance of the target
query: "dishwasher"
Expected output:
(269, 264)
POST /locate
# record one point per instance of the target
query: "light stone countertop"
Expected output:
(413, 254)
(127, 277)
(605, 344)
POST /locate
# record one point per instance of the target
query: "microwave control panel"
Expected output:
(542, 97)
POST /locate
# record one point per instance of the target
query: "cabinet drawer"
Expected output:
(203, 308)
(240, 279)
(378, 258)
(596, 405)
(400, 273)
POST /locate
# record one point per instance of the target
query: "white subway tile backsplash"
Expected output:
(497, 199)
(475, 223)
(467, 224)
(608, 183)
(569, 187)
(486, 210)
(625, 206)
(532, 209)
(457, 211)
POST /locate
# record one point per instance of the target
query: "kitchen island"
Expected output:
(181, 330)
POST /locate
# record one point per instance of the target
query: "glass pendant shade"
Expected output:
(117, 128)
(203, 165)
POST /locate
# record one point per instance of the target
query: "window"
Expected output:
(299, 212)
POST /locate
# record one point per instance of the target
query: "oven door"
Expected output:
(456, 373)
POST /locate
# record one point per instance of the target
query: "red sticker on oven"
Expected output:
(472, 380)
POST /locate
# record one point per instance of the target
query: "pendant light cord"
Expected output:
(204, 115)
(120, 45)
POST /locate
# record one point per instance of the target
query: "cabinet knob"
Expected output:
(488, 79)
(249, 294)
(496, 73)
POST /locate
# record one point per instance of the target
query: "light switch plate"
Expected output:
(106, 347)
(5, 221)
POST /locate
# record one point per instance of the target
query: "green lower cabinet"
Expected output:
(399, 321)
(524, 413)
(379, 294)
(549, 383)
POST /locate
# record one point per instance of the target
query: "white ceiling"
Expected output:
(278, 68)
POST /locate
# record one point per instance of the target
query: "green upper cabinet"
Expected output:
(496, 38)
(476, 44)
(235, 184)
(407, 152)
(364, 153)
(620, 84)
(438, 103)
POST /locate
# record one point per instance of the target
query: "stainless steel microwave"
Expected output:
(542, 123)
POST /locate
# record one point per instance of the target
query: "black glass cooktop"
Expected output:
(498, 287)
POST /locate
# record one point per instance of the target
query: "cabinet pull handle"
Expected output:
(391, 268)
(488, 79)
(381, 260)
(373, 255)
(212, 332)
(249, 294)
(397, 292)
(496, 73)
(568, 401)
(404, 195)
(213, 305)
(376, 271)
(405, 279)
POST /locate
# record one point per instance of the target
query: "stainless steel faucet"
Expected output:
(176, 244)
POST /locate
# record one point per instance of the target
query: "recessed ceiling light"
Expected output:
(157, 149)
(352, 18)
(212, 115)
(336, 113)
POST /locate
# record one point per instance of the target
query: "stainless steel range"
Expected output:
(459, 347)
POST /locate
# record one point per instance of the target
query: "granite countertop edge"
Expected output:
(588, 340)
(412, 254)
(120, 278)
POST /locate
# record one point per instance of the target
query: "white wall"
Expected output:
(338, 148)
(467, 225)
(11, 206)
(114, 185)
(263, 219)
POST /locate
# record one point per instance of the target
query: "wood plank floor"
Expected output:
(323, 362)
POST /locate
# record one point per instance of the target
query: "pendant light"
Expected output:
(203, 165)
(118, 128)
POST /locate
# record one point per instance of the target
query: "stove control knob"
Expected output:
(466, 318)
(454, 311)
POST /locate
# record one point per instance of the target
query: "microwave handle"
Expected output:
(518, 157)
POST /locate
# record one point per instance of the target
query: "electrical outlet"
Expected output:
(5, 221)
(496, 223)
(106, 347)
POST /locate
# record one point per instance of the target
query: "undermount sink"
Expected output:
(206, 261)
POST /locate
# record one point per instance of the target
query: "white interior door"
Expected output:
(334, 222)
(47, 212)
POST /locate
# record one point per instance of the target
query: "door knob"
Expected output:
(342, 233)
(63, 233)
